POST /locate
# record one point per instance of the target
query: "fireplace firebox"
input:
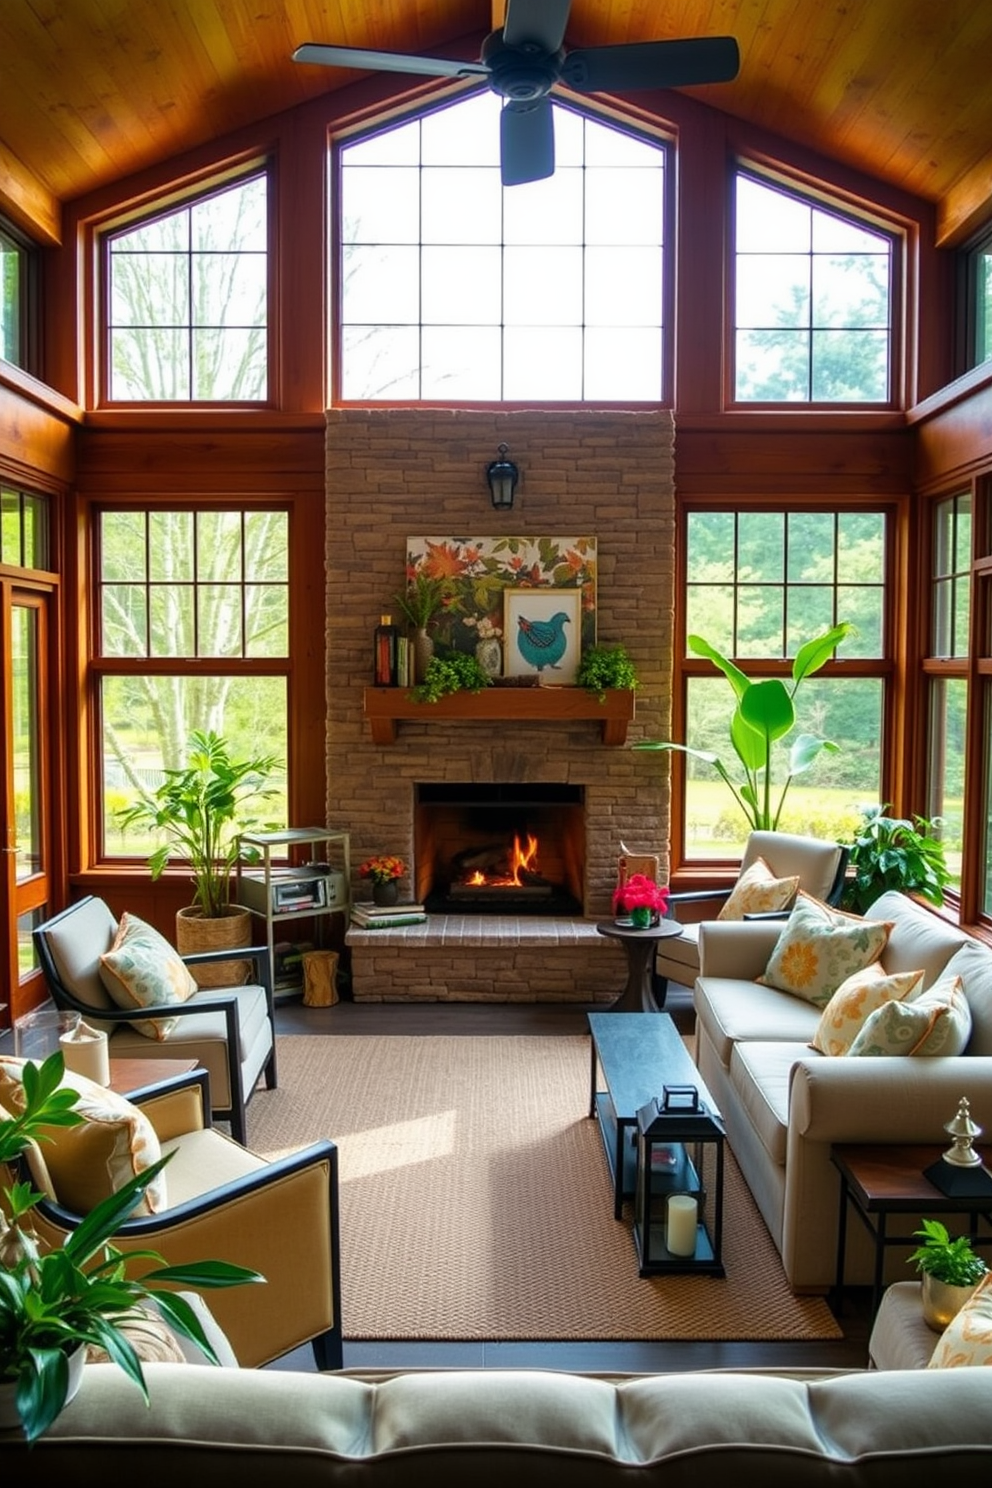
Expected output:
(500, 849)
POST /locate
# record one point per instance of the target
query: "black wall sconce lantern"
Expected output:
(502, 476)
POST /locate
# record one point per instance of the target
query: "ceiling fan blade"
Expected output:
(540, 21)
(526, 142)
(332, 56)
(652, 64)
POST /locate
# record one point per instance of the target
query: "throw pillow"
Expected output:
(148, 1334)
(142, 969)
(820, 947)
(88, 1162)
(758, 891)
(930, 1023)
(967, 1339)
(855, 999)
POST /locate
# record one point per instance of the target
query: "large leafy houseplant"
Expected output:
(81, 1294)
(764, 713)
(890, 852)
(201, 809)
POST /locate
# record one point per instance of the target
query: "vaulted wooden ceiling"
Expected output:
(92, 90)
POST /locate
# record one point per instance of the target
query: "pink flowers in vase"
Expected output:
(645, 901)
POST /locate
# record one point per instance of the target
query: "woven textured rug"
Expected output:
(476, 1201)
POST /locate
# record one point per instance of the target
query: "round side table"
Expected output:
(639, 945)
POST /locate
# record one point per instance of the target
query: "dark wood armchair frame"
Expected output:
(218, 1002)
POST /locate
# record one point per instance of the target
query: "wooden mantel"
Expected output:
(386, 707)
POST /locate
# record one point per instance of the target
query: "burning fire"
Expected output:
(523, 860)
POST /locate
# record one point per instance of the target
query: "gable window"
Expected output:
(977, 264)
(452, 287)
(759, 584)
(187, 301)
(193, 633)
(812, 301)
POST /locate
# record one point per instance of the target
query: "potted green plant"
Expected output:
(53, 1306)
(890, 852)
(951, 1270)
(423, 597)
(764, 713)
(606, 667)
(202, 808)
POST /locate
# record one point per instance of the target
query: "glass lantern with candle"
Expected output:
(678, 1196)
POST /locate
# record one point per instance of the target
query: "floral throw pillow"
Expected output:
(936, 1022)
(855, 1000)
(758, 891)
(142, 969)
(967, 1339)
(820, 947)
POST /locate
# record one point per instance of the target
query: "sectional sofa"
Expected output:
(785, 1103)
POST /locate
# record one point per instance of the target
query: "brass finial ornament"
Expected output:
(964, 1131)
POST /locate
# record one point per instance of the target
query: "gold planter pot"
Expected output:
(942, 1302)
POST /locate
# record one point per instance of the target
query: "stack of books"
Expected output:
(369, 916)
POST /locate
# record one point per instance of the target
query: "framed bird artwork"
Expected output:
(542, 634)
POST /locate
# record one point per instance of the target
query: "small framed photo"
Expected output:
(542, 634)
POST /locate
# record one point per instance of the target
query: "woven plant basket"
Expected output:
(226, 932)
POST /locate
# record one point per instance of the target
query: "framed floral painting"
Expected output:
(480, 571)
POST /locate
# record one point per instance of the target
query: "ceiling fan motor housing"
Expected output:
(520, 73)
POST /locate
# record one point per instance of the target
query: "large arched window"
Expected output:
(452, 287)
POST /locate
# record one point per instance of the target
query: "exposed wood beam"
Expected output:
(26, 202)
(967, 205)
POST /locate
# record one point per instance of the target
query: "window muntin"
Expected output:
(760, 584)
(24, 529)
(453, 287)
(187, 301)
(952, 577)
(813, 301)
(193, 632)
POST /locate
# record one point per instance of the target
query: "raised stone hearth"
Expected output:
(401, 472)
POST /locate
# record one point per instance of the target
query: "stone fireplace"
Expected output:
(396, 472)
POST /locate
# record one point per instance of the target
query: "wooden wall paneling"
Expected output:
(742, 455)
(954, 439)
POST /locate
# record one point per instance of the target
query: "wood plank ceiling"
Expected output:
(92, 90)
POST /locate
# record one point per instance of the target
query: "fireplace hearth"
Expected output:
(500, 849)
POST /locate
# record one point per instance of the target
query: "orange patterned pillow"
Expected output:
(758, 891)
(855, 1000)
(820, 947)
(967, 1339)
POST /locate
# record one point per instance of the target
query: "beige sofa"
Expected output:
(487, 1428)
(784, 1104)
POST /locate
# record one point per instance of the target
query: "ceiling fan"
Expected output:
(525, 59)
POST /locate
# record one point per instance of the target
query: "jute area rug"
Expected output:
(476, 1202)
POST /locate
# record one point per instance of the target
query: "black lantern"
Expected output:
(502, 476)
(678, 1198)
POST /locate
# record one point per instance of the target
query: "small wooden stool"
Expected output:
(320, 972)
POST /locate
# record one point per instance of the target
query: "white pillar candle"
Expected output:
(682, 1225)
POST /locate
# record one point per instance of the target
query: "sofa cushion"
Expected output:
(760, 1074)
(855, 1000)
(972, 962)
(737, 1011)
(936, 1022)
(967, 1339)
(141, 969)
(86, 1163)
(819, 948)
(758, 891)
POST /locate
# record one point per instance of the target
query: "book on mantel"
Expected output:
(369, 916)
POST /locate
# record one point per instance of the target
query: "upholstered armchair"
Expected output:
(214, 1200)
(816, 866)
(229, 1031)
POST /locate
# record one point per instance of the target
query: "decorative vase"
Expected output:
(385, 894)
(194, 933)
(640, 917)
(10, 1418)
(489, 655)
(423, 650)
(942, 1302)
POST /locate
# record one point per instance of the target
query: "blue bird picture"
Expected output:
(542, 643)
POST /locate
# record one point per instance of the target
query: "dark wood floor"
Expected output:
(348, 1017)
